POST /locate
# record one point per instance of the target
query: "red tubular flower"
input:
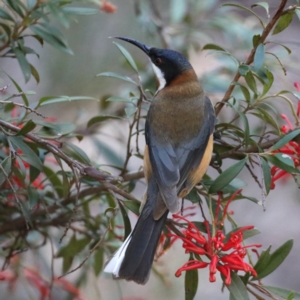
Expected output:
(215, 249)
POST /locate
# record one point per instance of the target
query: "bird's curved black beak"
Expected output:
(143, 47)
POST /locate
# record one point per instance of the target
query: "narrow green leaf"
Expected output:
(276, 259)
(118, 99)
(99, 119)
(259, 56)
(227, 176)
(127, 225)
(28, 154)
(130, 111)
(213, 47)
(246, 128)
(77, 153)
(25, 100)
(98, 261)
(267, 174)
(73, 248)
(267, 85)
(16, 6)
(118, 76)
(248, 10)
(284, 293)
(31, 4)
(282, 161)
(82, 11)
(193, 196)
(53, 99)
(133, 206)
(6, 166)
(5, 15)
(288, 137)
(244, 90)
(251, 81)
(178, 9)
(237, 287)
(256, 39)
(128, 57)
(34, 73)
(29, 126)
(283, 22)
(54, 179)
(289, 51)
(50, 38)
(191, 282)
(263, 261)
(265, 5)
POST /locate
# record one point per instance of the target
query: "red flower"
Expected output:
(223, 255)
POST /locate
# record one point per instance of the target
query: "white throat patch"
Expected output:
(160, 76)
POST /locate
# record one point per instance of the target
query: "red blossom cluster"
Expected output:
(292, 148)
(223, 254)
(107, 7)
(42, 285)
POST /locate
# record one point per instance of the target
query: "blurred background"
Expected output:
(185, 26)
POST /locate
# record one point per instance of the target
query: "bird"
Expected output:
(179, 144)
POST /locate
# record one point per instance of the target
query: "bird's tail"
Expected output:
(134, 258)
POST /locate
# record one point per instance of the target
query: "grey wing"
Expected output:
(165, 168)
(190, 154)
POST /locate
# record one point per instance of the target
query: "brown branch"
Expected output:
(250, 58)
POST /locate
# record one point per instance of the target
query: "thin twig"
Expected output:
(250, 58)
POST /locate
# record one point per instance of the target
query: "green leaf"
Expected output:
(246, 127)
(29, 126)
(16, 6)
(213, 47)
(227, 176)
(251, 81)
(244, 90)
(237, 287)
(77, 153)
(127, 226)
(74, 247)
(118, 76)
(82, 11)
(288, 137)
(297, 11)
(6, 166)
(193, 196)
(118, 99)
(265, 5)
(275, 259)
(133, 206)
(28, 154)
(259, 56)
(263, 261)
(289, 51)
(34, 73)
(284, 293)
(283, 22)
(191, 282)
(98, 261)
(53, 99)
(256, 39)
(267, 85)
(5, 15)
(51, 38)
(99, 119)
(130, 111)
(32, 196)
(248, 10)
(25, 100)
(128, 57)
(54, 179)
(178, 9)
(53, 130)
(31, 4)
(282, 161)
(267, 174)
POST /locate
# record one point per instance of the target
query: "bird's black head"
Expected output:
(167, 64)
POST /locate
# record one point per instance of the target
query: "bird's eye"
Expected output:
(158, 60)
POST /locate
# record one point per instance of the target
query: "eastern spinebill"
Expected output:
(179, 144)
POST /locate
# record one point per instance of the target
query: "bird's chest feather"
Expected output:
(176, 119)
